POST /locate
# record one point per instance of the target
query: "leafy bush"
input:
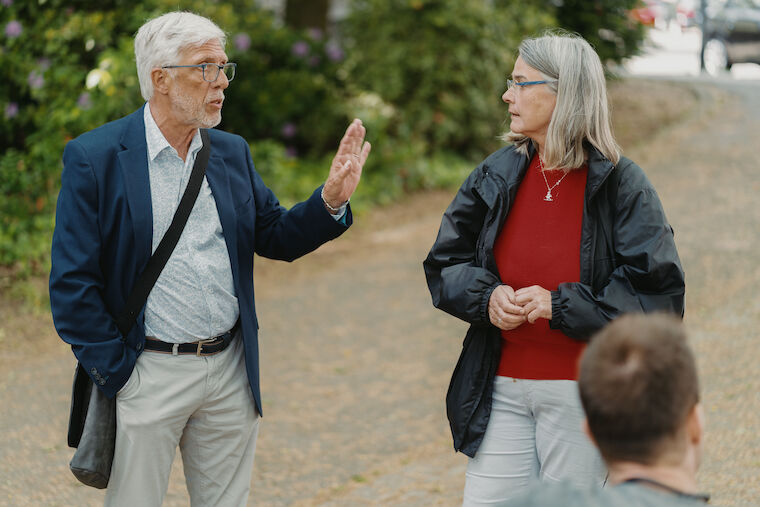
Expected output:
(287, 87)
(50, 48)
(425, 76)
(73, 70)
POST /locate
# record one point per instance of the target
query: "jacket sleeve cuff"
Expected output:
(484, 303)
(554, 323)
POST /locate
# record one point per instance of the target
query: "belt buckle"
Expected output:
(201, 343)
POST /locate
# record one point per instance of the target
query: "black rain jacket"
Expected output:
(629, 263)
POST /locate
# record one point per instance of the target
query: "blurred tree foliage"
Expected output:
(425, 76)
(440, 64)
(605, 24)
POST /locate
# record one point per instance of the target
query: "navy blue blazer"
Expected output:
(104, 230)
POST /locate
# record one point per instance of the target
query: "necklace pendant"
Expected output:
(548, 196)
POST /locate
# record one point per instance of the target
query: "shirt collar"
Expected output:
(156, 141)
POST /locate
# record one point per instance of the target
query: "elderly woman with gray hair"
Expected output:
(547, 240)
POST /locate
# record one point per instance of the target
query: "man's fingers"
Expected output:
(352, 139)
(365, 152)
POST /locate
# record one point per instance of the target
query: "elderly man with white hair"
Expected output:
(187, 373)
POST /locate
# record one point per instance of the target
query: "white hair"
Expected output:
(160, 41)
(582, 111)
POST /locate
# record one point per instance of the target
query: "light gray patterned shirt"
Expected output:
(194, 297)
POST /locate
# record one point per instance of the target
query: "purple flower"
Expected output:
(288, 130)
(11, 110)
(291, 152)
(84, 101)
(6, 3)
(314, 33)
(300, 48)
(35, 80)
(242, 42)
(314, 61)
(334, 53)
(44, 63)
(13, 29)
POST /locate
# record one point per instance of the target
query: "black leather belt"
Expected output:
(207, 347)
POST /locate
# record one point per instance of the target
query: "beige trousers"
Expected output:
(204, 405)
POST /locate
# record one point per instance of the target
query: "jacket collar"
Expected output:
(599, 168)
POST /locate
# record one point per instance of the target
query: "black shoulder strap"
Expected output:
(157, 261)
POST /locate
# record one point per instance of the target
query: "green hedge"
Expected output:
(425, 76)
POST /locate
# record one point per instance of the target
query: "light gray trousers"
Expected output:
(201, 404)
(534, 433)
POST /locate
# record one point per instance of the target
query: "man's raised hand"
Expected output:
(346, 167)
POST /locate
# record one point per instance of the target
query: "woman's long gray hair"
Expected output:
(582, 111)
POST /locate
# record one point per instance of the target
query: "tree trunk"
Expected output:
(307, 13)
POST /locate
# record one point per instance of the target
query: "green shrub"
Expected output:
(49, 49)
(72, 69)
(425, 76)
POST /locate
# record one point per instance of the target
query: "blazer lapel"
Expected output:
(133, 160)
(218, 180)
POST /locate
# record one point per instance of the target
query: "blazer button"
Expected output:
(102, 382)
(94, 371)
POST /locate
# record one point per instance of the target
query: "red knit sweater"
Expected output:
(540, 245)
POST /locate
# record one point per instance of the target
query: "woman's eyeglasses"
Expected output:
(511, 83)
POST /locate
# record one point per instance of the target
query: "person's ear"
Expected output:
(160, 79)
(695, 424)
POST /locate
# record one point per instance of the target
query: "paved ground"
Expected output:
(356, 361)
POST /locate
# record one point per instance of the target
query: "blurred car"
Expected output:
(686, 13)
(732, 35)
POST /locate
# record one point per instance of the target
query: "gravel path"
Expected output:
(356, 361)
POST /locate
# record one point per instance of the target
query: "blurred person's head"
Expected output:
(639, 388)
(182, 94)
(571, 108)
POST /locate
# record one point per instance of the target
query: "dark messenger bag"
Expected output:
(92, 421)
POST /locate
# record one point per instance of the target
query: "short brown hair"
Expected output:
(638, 383)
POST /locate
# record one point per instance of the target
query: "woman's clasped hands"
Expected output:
(509, 308)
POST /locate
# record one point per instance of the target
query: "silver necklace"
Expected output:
(548, 196)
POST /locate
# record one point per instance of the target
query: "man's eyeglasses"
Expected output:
(210, 70)
(511, 83)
